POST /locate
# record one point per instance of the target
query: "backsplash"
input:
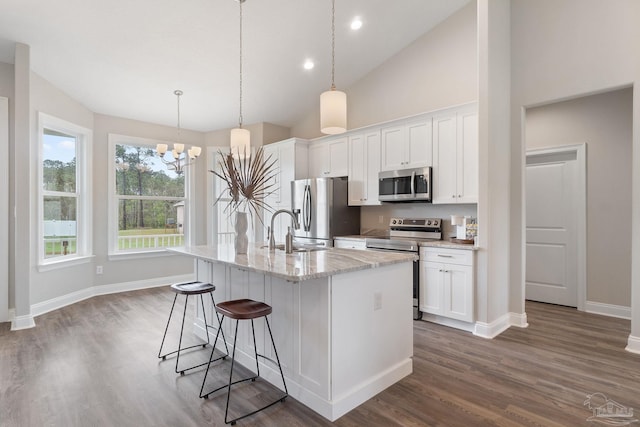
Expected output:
(375, 219)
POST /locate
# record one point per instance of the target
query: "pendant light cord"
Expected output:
(333, 44)
(240, 117)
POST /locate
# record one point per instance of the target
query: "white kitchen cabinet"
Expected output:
(349, 243)
(447, 283)
(407, 145)
(291, 163)
(455, 156)
(364, 165)
(329, 158)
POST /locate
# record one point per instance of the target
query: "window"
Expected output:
(64, 199)
(149, 209)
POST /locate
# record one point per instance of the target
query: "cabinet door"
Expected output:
(338, 157)
(318, 160)
(419, 151)
(357, 170)
(372, 164)
(287, 172)
(467, 178)
(445, 159)
(392, 151)
(272, 153)
(431, 287)
(458, 292)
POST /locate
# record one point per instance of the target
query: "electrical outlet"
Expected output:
(98, 269)
(377, 301)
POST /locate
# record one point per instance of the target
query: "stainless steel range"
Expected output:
(405, 234)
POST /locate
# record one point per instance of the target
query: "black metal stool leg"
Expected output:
(204, 380)
(224, 339)
(273, 343)
(233, 359)
(167, 328)
(255, 348)
(184, 314)
(206, 325)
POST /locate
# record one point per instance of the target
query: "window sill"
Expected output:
(64, 263)
(124, 256)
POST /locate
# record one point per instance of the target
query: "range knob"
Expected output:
(429, 222)
(400, 221)
(393, 221)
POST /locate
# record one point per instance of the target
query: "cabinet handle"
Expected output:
(459, 195)
(445, 256)
(441, 270)
(453, 196)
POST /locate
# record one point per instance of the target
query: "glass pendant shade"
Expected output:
(240, 143)
(333, 112)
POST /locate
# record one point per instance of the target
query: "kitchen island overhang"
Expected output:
(341, 318)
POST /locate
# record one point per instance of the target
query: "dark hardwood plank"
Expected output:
(93, 364)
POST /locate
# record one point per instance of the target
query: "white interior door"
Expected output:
(552, 218)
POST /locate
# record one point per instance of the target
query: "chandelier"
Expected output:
(180, 159)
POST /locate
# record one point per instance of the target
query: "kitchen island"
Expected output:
(341, 319)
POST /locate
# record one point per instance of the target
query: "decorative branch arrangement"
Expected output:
(249, 181)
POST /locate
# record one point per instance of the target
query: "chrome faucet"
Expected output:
(272, 240)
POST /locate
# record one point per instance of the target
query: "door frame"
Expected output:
(581, 204)
(4, 209)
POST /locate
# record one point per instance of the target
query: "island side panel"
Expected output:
(372, 332)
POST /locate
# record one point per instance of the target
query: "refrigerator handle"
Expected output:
(307, 208)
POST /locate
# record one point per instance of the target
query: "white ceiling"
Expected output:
(125, 57)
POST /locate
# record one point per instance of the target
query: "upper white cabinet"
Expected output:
(364, 165)
(291, 163)
(329, 158)
(455, 156)
(407, 145)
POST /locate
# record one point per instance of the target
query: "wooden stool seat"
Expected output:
(192, 288)
(243, 309)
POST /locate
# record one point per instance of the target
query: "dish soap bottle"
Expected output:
(288, 241)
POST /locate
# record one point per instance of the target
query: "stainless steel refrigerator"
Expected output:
(321, 206)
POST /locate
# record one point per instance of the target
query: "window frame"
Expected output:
(113, 215)
(83, 193)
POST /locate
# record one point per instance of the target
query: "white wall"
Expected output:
(604, 122)
(560, 50)
(438, 70)
(6, 134)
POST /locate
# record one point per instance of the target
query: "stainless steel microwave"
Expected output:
(406, 185)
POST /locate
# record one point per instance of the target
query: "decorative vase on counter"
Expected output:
(241, 241)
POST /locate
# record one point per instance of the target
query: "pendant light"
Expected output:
(240, 138)
(333, 103)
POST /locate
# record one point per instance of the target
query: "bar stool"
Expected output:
(244, 309)
(187, 289)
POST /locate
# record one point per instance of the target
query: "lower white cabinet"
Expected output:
(447, 283)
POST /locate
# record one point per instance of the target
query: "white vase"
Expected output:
(241, 241)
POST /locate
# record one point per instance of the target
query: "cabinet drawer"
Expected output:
(449, 256)
(350, 243)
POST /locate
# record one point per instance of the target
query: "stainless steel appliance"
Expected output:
(406, 185)
(321, 207)
(405, 234)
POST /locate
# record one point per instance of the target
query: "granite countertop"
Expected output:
(428, 244)
(297, 266)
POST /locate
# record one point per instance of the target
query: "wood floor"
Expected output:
(94, 364)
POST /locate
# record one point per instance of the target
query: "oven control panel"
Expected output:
(426, 223)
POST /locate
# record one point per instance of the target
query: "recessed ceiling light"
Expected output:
(356, 24)
(308, 64)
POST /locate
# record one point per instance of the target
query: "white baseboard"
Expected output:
(22, 322)
(74, 297)
(633, 344)
(493, 329)
(446, 321)
(519, 320)
(608, 310)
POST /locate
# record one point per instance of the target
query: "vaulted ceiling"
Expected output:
(125, 58)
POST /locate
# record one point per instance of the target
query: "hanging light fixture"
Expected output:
(179, 161)
(240, 138)
(333, 103)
